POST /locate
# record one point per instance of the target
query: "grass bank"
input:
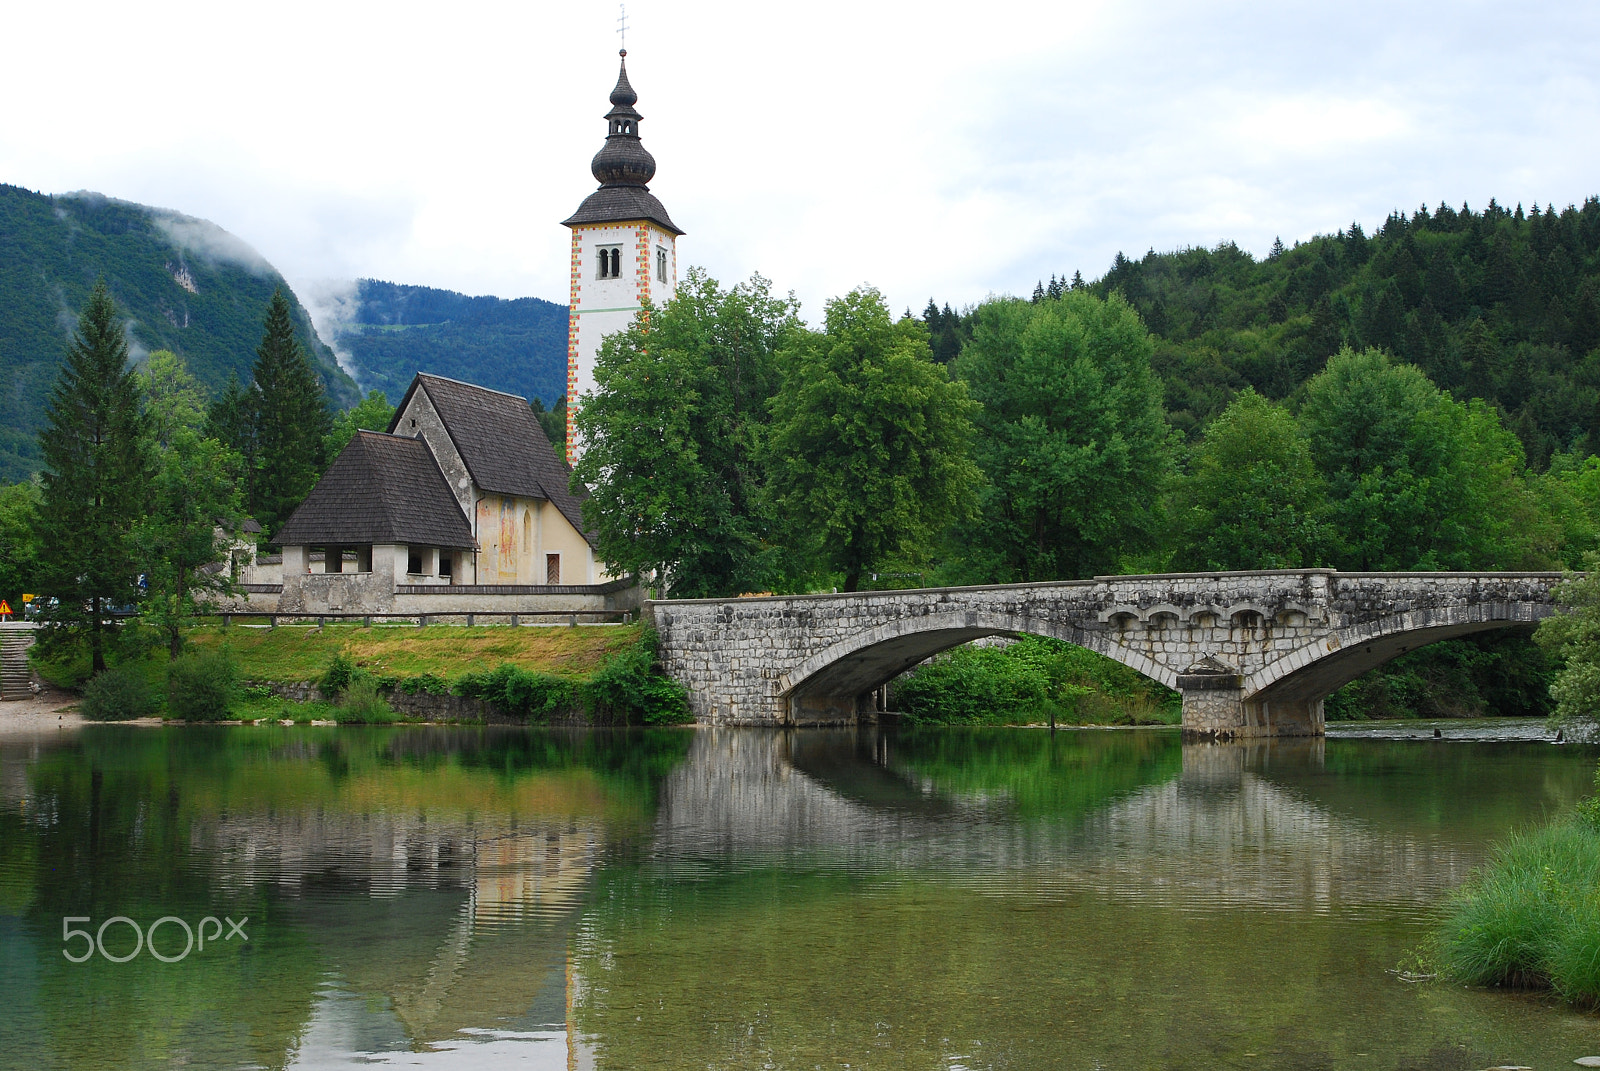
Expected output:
(1031, 681)
(1531, 917)
(533, 674)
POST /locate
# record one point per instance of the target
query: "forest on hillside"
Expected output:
(184, 285)
(516, 345)
(1497, 304)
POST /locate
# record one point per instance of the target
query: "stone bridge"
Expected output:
(1252, 654)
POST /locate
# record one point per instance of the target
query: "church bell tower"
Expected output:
(624, 247)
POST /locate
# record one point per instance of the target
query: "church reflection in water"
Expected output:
(574, 900)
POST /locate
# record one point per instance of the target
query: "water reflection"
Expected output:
(732, 898)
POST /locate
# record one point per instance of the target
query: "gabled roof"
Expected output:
(500, 441)
(380, 489)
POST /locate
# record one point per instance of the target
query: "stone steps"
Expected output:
(14, 672)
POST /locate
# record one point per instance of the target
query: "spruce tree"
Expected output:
(290, 419)
(97, 467)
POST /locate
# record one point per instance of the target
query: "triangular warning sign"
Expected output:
(5, 607)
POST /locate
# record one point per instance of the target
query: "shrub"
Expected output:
(1034, 679)
(533, 697)
(116, 694)
(424, 684)
(202, 686)
(337, 677)
(630, 686)
(361, 702)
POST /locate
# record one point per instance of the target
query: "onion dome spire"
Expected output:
(623, 166)
(623, 161)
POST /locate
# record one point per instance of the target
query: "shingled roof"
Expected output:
(622, 204)
(380, 489)
(501, 443)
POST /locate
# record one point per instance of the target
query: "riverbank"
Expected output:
(54, 710)
(534, 675)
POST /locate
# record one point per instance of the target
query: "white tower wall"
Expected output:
(601, 305)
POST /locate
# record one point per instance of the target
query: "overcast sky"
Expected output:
(931, 149)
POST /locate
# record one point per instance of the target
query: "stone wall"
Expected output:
(377, 595)
(810, 659)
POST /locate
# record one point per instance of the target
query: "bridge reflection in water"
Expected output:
(745, 897)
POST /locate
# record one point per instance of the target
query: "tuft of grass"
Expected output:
(1531, 917)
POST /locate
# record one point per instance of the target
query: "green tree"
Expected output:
(1252, 498)
(1417, 480)
(173, 398)
(19, 541)
(868, 451)
(195, 504)
(96, 478)
(230, 421)
(372, 413)
(289, 418)
(1072, 438)
(553, 422)
(671, 438)
(1574, 636)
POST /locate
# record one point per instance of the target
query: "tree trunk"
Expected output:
(97, 653)
(175, 633)
(852, 580)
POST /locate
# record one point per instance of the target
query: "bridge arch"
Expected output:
(1320, 668)
(858, 664)
(1251, 653)
(1283, 696)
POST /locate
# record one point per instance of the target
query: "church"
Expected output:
(463, 500)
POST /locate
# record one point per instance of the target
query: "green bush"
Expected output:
(629, 686)
(533, 697)
(424, 684)
(1032, 680)
(337, 677)
(202, 685)
(362, 703)
(117, 694)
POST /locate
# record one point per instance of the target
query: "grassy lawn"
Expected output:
(293, 653)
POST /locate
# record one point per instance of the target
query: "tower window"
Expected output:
(661, 264)
(610, 262)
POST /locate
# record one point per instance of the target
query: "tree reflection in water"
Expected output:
(981, 898)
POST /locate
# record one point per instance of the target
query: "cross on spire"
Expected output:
(622, 27)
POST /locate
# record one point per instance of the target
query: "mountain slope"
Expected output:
(388, 332)
(184, 284)
(1497, 304)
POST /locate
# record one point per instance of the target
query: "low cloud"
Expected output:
(333, 305)
(209, 242)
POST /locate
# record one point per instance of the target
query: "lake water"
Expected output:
(486, 898)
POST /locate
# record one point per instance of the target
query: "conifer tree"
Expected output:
(290, 420)
(228, 421)
(96, 475)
